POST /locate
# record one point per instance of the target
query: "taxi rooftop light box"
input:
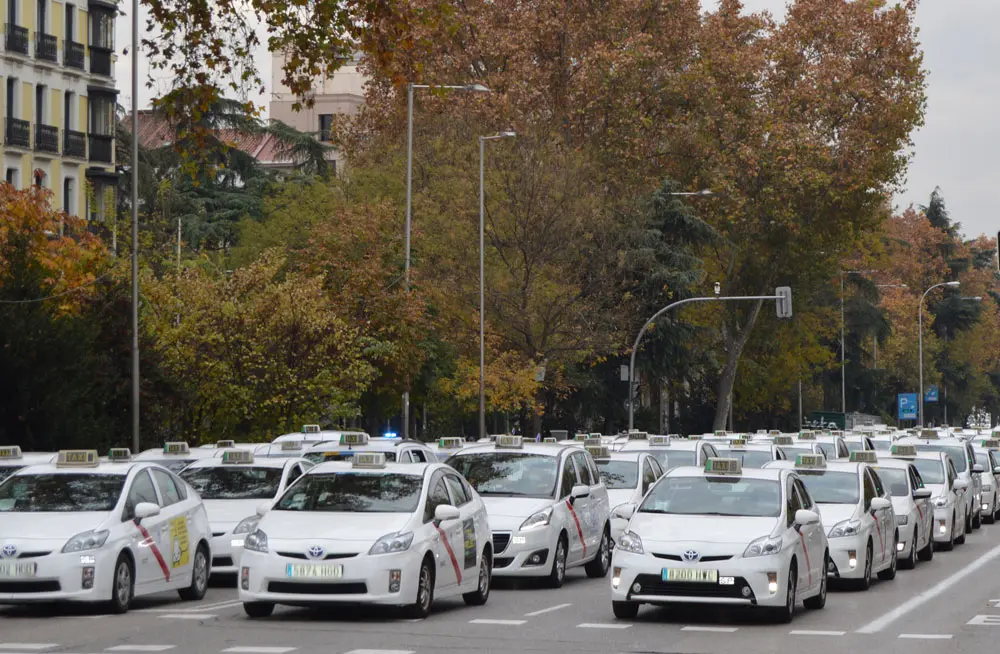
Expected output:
(10, 452)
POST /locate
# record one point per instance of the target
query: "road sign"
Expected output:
(932, 394)
(907, 406)
(784, 301)
(826, 420)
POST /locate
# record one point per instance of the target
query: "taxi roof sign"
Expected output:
(783, 439)
(659, 440)
(77, 459)
(291, 446)
(593, 442)
(929, 434)
(598, 451)
(10, 452)
(354, 438)
(719, 466)
(810, 461)
(120, 454)
(581, 437)
(774, 432)
(991, 443)
(807, 436)
(451, 443)
(509, 442)
(636, 435)
(903, 450)
(550, 439)
(595, 434)
(371, 460)
(310, 429)
(225, 444)
(719, 432)
(738, 442)
(864, 456)
(237, 456)
(176, 447)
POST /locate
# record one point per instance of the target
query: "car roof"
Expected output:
(415, 469)
(831, 466)
(890, 462)
(316, 437)
(753, 447)
(259, 462)
(373, 445)
(773, 474)
(944, 440)
(543, 449)
(102, 468)
(632, 457)
(674, 444)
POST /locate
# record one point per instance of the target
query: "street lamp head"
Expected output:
(508, 135)
(705, 192)
(977, 298)
(953, 284)
(477, 88)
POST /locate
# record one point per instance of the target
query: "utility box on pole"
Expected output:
(784, 301)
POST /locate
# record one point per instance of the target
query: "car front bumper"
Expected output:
(847, 557)
(527, 554)
(943, 525)
(61, 578)
(226, 552)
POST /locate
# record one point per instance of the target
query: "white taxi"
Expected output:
(722, 535)
(175, 455)
(232, 487)
(911, 504)
(964, 460)
(750, 454)
(394, 449)
(13, 459)
(313, 434)
(671, 452)
(446, 447)
(289, 449)
(548, 507)
(627, 476)
(938, 474)
(85, 531)
(857, 513)
(987, 456)
(373, 532)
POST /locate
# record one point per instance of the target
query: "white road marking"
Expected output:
(216, 605)
(808, 632)
(548, 610)
(381, 651)
(926, 636)
(489, 621)
(994, 602)
(882, 622)
(261, 650)
(187, 616)
(33, 647)
(602, 625)
(200, 609)
(717, 630)
(985, 620)
(140, 648)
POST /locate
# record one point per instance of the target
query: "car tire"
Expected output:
(258, 609)
(598, 567)
(557, 575)
(990, 518)
(968, 524)
(818, 601)
(927, 553)
(890, 573)
(625, 610)
(122, 586)
(479, 596)
(866, 581)
(960, 539)
(910, 562)
(421, 608)
(784, 614)
(199, 577)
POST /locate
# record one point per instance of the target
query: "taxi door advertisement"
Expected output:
(180, 549)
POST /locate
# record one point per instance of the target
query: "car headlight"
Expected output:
(247, 525)
(630, 542)
(540, 519)
(256, 542)
(902, 519)
(763, 546)
(618, 511)
(391, 543)
(88, 540)
(845, 528)
(940, 501)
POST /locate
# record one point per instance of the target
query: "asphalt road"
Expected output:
(950, 604)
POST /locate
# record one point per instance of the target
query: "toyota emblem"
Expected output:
(315, 552)
(8, 551)
(690, 556)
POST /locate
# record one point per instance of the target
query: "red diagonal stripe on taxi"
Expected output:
(805, 551)
(156, 551)
(578, 529)
(451, 553)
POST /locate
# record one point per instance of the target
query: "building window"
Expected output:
(103, 29)
(325, 127)
(39, 179)
(41, 16)
(68, 112)
(68, 197)
(102, 115)
(40, 94)
(12, 177)
(11, 97)
(70, 22)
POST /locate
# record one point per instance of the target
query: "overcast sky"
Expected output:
(954, 150)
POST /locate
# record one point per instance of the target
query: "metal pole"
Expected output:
(800, 404)
(482, 300)
(178, 244)
(135, 226)
(843, 351)
(409, 201)
(920, 349)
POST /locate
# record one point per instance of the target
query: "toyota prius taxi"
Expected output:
(369, 532)
(232, 487)
(722, 535)
(911, 504)
(83, 530)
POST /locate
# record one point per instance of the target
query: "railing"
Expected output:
(75, 144)
(101, 148)
(18, 133)
(46, 47)
(16, 38)
(100, 61)
(47, 138)
(74, 55)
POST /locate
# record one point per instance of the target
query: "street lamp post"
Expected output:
(474, 88)
(135, 226)
(920, 346)
(482, 277)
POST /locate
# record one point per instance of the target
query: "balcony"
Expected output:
(75, 144)
(47, 138)
(18, 133)
(101, 148)
(100, 61)
(73, 55)
(46, 47)
(16, 38)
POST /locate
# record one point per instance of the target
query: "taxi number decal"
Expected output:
(451, 553)
(469, 531)
(179, 544)
(579, 531)
(151, 544)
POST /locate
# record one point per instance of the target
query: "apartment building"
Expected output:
(59, 100)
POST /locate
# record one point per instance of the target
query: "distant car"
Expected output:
(627, 476)
(964, 460)
(911, 504)
(396, 450)
(13, 459)
(175, 455)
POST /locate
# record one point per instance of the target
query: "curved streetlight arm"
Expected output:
(638, 338)
(920, 347)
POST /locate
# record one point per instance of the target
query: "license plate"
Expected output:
(18, 569)
(693, 575)
(300, 571)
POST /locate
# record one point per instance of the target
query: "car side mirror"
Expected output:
(978, 468)
(580, 490)
(922, 494)
(805, 517)
(625, 511)
(145, 510)
(446, 512)
(996, 470)
(960, 484)
(263, 508)
(879, 503)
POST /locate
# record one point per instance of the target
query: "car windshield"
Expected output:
(511, 474)
(956, 452)
(619, 474)
(343, 455)
(750, 458)
(895, 481)
(854, 446)
(234, 482)
(729, 496)
(352, 492)
(51, 493)
(792, 452)
(7, 471)
(670, 459)
(173, 465)
(931, 470)
(829, 487)
(882, 446)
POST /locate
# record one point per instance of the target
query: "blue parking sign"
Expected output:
(932, 394)
(907, 405)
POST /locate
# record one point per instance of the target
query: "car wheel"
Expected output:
(558, 573)
(890, 573)
(479, 596)
(785, 614)
(910, 561)
(625, 610)
(968, 524)
(258, 609)
(960, 539)
(990, 517)
(977, 520)
(866, 581)
(122, 586)
(599, 566)
(199, 577)
(818, 600)
(421, 608)
(927, 553)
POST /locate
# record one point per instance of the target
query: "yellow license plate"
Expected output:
(18, 570)
(693, 575)
(301, 571)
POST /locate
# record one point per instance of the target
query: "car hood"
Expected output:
(48, 526)
(658, 529)
(618, 496)
(937, 490)
(507, 513)
(831, 514)
(226, 514)
(346, 527)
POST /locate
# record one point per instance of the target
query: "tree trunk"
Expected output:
(735, 342)
(536, 414)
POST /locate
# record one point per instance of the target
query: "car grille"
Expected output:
(32, 555)
(216, 534)
(305, 588)
(303, 557)
(222, 561)
(654, 585)
(500, 541)
(704, 559)
(502, 561)
(29, 586)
